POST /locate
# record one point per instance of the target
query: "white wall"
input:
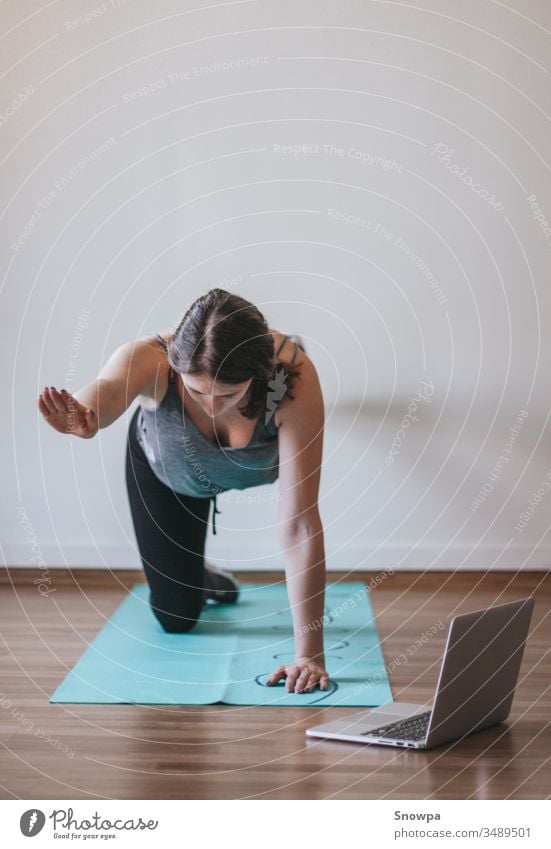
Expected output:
(132, 183)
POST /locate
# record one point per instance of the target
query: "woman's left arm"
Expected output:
(301, 531)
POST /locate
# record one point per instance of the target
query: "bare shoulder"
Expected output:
(306, 391)
(166, 334)
(286, 349)
(154, 355)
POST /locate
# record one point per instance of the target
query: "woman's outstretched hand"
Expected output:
(303, 675)
(65, 414)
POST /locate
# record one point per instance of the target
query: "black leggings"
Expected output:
(170, 530)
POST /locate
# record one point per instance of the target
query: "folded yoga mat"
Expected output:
(229, 654)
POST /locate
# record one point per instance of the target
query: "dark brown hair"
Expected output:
(228, 339)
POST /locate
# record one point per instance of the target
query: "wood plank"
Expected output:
(232, 752)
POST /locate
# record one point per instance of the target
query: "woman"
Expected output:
(224, 403)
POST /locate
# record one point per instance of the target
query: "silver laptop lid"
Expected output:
(480, 670)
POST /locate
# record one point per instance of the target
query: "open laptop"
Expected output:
(475, 688)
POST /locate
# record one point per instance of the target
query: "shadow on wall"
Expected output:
(419, 471)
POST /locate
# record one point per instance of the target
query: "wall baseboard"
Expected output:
(263, 558)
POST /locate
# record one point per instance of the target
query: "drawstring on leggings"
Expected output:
(214, 512)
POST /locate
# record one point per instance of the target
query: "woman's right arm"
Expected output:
(130, 370)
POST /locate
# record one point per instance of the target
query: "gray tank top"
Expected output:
(190, 463)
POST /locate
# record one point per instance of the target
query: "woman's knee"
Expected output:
(170, 626)
(177, 622)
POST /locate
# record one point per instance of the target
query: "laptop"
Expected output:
(475, 689)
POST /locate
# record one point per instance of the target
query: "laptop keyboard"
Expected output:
(414, 728)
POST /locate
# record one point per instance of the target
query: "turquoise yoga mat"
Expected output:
(229, 654)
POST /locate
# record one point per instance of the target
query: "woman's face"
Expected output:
(216, 399)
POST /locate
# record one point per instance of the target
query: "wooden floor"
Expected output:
(226, 752)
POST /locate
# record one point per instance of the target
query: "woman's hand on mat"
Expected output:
(65, 414)
(303, 675)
